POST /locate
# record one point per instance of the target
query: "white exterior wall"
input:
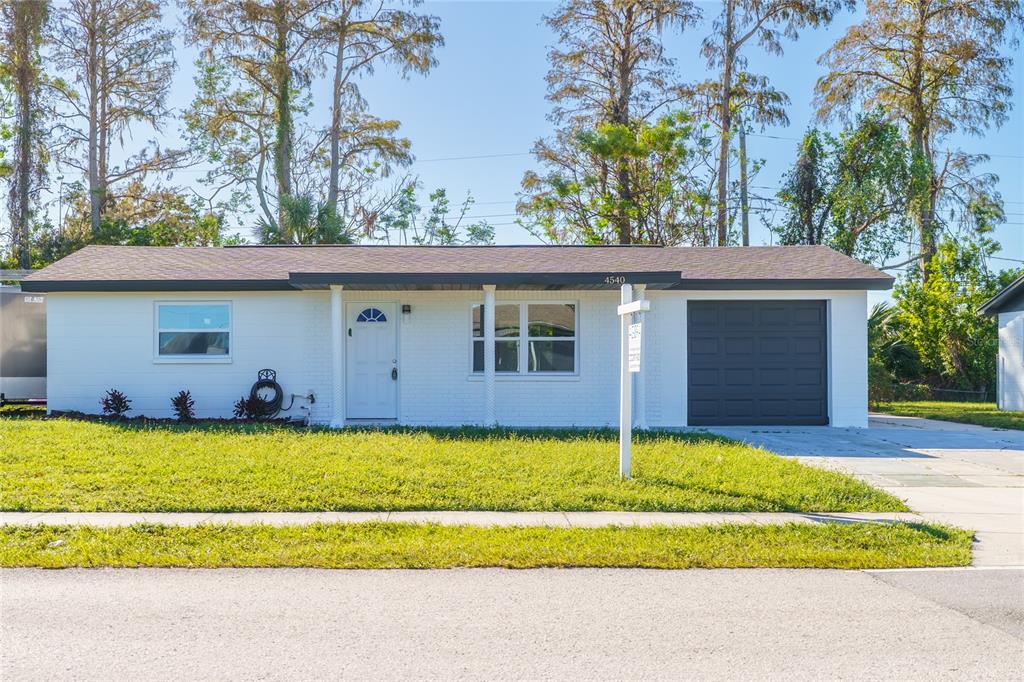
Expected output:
(1010, 368)
(847, 351)
(101, 341)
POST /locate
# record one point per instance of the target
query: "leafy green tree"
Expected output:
(936, 67)
(304, 221)
(740, 23)
(938, 316)
(364, 34)
(609, 77)
(137, 215)
(804, 193)
(114, 61)
(886, 344)
(405, 223)
(581, 202)
(22, 25)
(880, 382)
(754, 102)
(257, 60)
(849, 192)
(251, 116)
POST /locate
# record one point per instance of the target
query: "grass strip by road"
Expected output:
(397, 545)
(71, 465)
(982, 414)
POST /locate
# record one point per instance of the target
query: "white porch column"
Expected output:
(640, 384)
(490, 416)
(337, 357)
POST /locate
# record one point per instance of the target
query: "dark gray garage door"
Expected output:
(757, 362)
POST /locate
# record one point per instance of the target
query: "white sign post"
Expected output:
(630, 362)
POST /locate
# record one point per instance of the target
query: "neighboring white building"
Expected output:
(1008, 306)
(741, 335)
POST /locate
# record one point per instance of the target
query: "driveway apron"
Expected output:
(959, 474)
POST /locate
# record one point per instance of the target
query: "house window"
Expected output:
(193, 330)
(529, 338)
(371, 315)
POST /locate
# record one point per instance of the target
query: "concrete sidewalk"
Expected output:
(450, 518)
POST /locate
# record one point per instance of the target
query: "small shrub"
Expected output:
(250, 407)
(880, 380)
(184, 406)
(912, 392)
(115, 404)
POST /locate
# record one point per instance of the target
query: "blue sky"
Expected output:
(486, 99)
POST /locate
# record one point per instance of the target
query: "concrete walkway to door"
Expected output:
(960, 474)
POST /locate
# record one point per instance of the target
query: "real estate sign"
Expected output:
(634, 346)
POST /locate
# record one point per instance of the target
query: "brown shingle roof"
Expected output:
(107, 268)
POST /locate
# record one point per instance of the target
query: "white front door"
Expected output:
(371, 372)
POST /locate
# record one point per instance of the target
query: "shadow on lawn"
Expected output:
(468, 432)
(17, 411)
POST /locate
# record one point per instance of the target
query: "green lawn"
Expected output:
(391, 545)
(18, 410)
(69, 465)
(984, 414)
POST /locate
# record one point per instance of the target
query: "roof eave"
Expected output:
(655, 279)
(765, 284)
(993, 306)
(115, 285)
(564, 280)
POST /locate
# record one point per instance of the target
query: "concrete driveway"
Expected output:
(960, 474)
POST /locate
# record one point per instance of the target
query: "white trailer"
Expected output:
(22, 345)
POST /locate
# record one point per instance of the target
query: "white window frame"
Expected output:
(193, 359)
(524, 339)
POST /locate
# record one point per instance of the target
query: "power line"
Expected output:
(474, 156)
(947, 151)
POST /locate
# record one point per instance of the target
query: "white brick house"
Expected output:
(517, 336)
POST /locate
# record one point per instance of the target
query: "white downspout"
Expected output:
(337, 358)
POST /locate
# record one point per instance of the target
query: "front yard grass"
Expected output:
(983, 414)
(73, 465)
(396, 545)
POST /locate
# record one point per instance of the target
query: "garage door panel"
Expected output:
(740, 316)
(703, 345)
(778, 376)
(700, 409)
(737, 408)
(757, 362)
(704, 317)
(774, 316)
(704, 377)
(741, 346)
(805, 345)
(775, 409)
(811, 377)
(808, 408)
(773, 345)
(738, 376)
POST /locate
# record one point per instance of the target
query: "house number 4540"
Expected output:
(615, 279)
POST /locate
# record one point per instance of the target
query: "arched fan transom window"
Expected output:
(371, 315)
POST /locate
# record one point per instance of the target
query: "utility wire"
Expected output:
(947, 151)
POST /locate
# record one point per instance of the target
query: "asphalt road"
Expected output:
(496, 624)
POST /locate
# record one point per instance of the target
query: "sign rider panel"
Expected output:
(634, 347)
